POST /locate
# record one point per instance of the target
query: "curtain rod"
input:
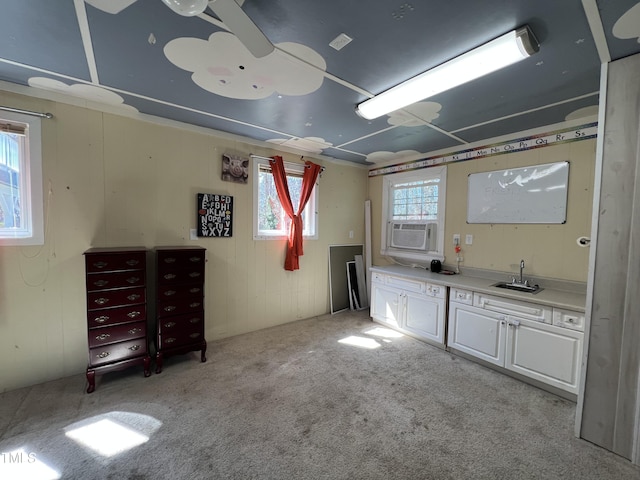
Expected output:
(26, 112)
(271, 160)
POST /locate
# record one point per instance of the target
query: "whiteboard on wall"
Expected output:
(535, 194)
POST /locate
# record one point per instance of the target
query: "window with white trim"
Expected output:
(413, 213)
(21, 218)
(270, 221)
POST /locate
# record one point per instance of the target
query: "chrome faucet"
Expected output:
(521, 268)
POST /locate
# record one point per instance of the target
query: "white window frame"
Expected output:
(387, 209)
(310, 212)
(31, 195)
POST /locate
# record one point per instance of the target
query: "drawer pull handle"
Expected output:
(101, 300)
(100, 264)
(100, 283)
(133, 280)
(194, 335)
(133, 314)
(194, 320)
(194, 290)
(169, 276)
(168, 293)
(194, 274)
(133, 348)
(194, 304)
(169, 308)
(194, 259)
(103, 355)
(133, 331)
(132, 262)
(170, 340)
(170, 260)
(103, 336)
(570, 320)
(101, 319)
(133, 296)
(170, 324)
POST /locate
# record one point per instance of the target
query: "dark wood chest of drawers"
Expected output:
(116, 281)
(179, 302)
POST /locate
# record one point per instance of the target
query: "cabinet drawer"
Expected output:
(117, 351)
(103, 281)
(112, 316)
(436, 291)
(116, 333)
(568, 319)
(184, 257)
(109, 262)
(378, 277)
(174, 276)
(461, 296)
(406, 284)
(167, 292)
(179, 306)
(115, 298)
(529, 311)
(183, 337)
(190, 323)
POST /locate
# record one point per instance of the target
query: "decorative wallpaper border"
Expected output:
(573, 134)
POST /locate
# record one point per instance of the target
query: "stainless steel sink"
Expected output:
(520, 287)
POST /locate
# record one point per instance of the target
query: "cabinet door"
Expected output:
(544, 352)
(385, 304)
(477, 332)
(424, 316)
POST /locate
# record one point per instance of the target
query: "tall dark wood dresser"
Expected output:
(179, 302)
(116, 310)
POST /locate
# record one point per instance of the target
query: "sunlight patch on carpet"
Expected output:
(384, 333)
(361, 342)
(113, 433)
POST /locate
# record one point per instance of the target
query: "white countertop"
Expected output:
(553, 298)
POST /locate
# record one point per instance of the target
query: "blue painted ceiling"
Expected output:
(140, 56)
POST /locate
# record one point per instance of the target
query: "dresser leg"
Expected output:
(147, 366)
(203, 351)
(159, 362)
(91, 378)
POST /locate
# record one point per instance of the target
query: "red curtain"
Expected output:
(294, 240)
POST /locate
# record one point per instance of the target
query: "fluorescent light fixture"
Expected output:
(494, 55)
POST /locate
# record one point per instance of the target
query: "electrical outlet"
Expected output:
(350, 233)
(468, 239)
(459, 259)
(193, 234)
(456, 239)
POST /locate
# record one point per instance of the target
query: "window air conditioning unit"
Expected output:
(414, 235)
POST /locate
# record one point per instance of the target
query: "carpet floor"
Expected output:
(331, 397)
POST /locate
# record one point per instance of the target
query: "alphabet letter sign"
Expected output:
(215, 215)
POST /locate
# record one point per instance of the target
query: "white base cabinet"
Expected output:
(496, 330)
(412, 306)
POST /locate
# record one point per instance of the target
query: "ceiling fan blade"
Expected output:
(242, 27)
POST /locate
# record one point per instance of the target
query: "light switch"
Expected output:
(468, 239)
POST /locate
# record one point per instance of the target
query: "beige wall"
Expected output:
(116, 181)
(548, 250)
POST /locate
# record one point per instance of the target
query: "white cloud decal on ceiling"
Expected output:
(628, 25)
(382, 156)
(425, 111)
(81, 90)
(590, 111)
(306, 144)
(222, 65)
(110, 6)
